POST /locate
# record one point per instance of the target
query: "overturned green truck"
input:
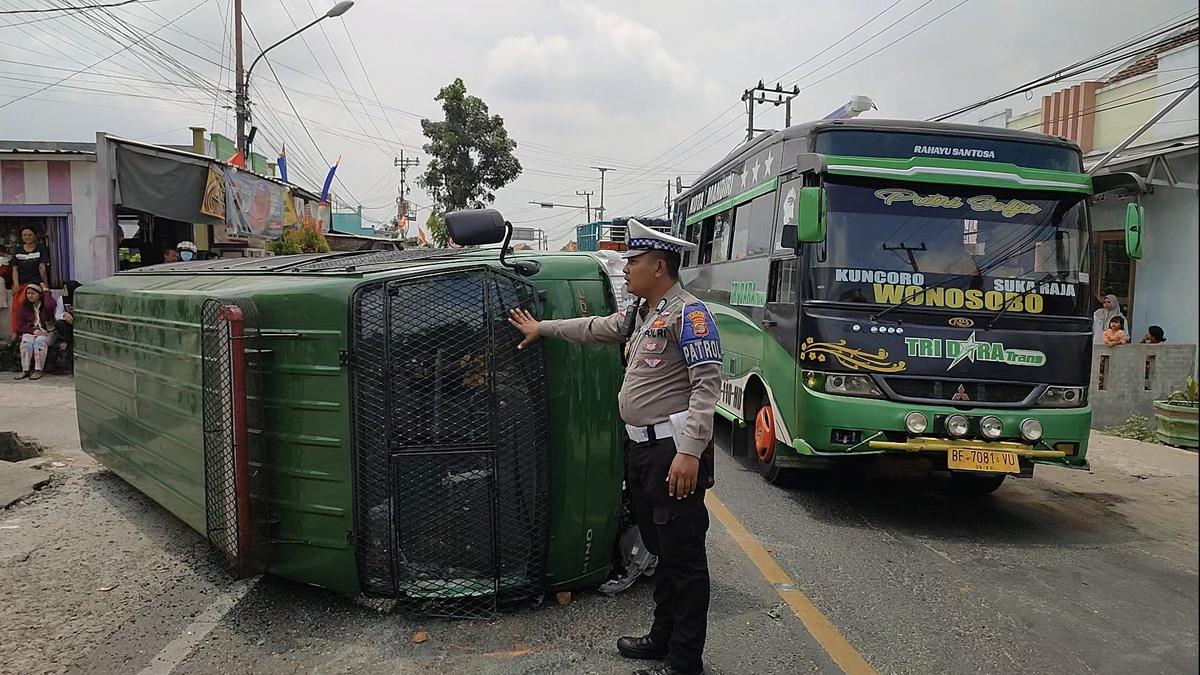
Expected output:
(363, 421)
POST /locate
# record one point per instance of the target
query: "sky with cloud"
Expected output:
(650, 89)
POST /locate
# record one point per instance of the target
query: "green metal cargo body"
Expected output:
(395, 441)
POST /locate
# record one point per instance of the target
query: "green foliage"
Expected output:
(1136, 428)
(436, 225)
(303, 239)
(470, 153)
(1189, 395)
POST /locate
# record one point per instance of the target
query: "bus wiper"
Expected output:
(1049, 276)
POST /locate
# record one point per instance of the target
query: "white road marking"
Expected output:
(177, 650)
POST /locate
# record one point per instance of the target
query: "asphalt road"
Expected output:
(1067, 572)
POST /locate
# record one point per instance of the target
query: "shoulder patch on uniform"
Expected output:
(698, 337)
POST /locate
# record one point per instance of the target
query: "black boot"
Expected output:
(641, 648)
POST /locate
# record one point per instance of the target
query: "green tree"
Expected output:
(470, 153)
(435, 224)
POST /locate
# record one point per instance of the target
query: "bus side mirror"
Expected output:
(1135, 217)
(810, 216)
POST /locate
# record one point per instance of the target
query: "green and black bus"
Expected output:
(900, 288)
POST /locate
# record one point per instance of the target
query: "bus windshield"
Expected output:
(953, 247)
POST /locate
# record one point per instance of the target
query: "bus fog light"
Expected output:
(1031, 430)
(991, 427)
(956, 426)
(916, 422)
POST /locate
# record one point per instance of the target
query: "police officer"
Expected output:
(667, 400)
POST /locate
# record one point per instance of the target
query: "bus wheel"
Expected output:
(765, 444)
(968, 486)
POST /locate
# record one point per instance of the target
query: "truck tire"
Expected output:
(763, 445)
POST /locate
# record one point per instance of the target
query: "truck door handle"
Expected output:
(769, 322)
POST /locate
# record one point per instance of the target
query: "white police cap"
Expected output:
(642, 239)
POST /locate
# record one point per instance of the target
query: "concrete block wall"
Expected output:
(1126, 380)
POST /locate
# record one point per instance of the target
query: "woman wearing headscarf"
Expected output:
(1102, 317)
(35, 325)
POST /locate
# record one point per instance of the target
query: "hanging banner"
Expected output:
(290, 217)
(254, 207)
(213, 203)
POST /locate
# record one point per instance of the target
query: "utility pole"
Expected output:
(405, 163)
(600, 211)
(587, 195)
(910, 251)
(239, 103)
(776, 95)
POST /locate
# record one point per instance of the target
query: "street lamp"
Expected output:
(243, 93)
(550, 205)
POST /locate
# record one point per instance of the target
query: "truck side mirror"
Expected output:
(810, 216)
(475, 227)
(1135, 217)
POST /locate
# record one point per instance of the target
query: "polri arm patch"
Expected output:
(698, 337)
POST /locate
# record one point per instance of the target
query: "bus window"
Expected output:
(788, 196)
(742, 224)
(722, 227)
(761, 220)
(704, 250)
(781, 286)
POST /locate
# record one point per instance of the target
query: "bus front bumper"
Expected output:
(876, 426)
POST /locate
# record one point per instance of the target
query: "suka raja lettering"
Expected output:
(699, 341)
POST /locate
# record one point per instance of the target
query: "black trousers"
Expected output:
(674, 530)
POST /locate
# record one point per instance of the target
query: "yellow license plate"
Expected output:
(995, 461)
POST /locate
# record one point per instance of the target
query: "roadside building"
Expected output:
(116, 203)
(1163, 288)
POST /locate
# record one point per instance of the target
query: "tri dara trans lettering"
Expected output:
(971, 350)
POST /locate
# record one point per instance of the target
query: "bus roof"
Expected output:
(753, 146)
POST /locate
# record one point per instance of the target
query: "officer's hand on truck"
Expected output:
(524, 322)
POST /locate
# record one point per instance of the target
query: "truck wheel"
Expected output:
(968, 486)
(765, 445)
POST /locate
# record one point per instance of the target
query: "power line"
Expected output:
(293, 107)
(1090, 63)
(872, 37)
(73, 8)
(902, 37)
(93, 65)
(1106, 106)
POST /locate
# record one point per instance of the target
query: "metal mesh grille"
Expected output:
(451, 444)
(358, 260)
(232, 481)
(976, 391)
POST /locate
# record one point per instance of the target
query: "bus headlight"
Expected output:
(851, 385)
(916, 423)
(956, 426)
(1031, 430)
(1062, 397)
(991, 427)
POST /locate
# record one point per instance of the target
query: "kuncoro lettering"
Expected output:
(879, 277)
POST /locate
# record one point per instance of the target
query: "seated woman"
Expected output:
(35, 326)
(64, 318)
(1115, 335)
